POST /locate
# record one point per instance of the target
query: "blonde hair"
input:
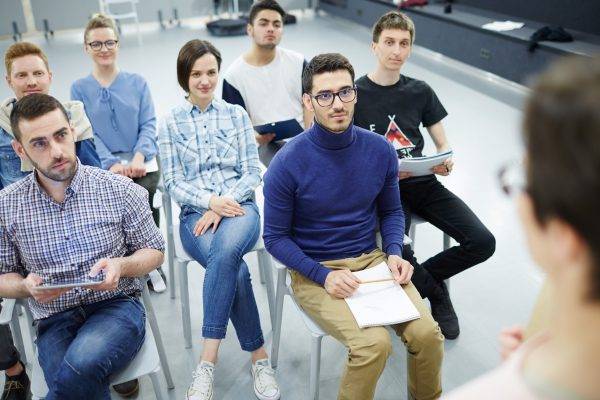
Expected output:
(22, 49)
(100, 21)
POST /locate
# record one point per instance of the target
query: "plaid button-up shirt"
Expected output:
(104, 215)
(205, 153)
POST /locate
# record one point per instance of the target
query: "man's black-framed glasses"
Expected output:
(326, 99)
(97, 45)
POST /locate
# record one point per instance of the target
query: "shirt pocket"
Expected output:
(189, 156)
(226, 143)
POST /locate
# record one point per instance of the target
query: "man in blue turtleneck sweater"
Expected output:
(325, 192)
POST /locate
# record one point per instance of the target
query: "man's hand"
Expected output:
(225, 207)
(41, 296)
(341, 283)
(264, 139)
(445, 168)
(404, 175)
(137, 169)
(120, 169)
(510, 339)
(209, 218)
(112, 269)
(401, 269)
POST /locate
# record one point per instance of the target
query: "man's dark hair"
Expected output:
(31, 107)
(189, 53)
(328, 62)
(562, 138)
(264, 5)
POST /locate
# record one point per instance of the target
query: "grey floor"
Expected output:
(484, 132)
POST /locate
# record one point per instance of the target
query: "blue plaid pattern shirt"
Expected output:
(206, 153)
(104, 215)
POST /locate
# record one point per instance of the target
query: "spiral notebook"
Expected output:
(380, 303)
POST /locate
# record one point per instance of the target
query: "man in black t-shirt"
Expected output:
(395, 105)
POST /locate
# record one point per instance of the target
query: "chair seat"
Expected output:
(144, 363)
(308, 322)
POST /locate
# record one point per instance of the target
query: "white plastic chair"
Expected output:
(179, 257)
(149, 361)
(284, 288)
(105, 8)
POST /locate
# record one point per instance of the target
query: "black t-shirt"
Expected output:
(397, 111)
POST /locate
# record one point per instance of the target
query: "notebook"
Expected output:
(419, 166)
(380, 303)
(281, 129)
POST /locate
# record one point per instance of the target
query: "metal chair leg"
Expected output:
(265, 265)
(184, 298)
(158, 391)
(261, 272)
(276, 321)
(15, 327)
(446, 241)
(157, 337)
(315, 366)
(166, 199)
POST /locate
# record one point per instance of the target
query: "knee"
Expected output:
(482, 245)
(428, 340)
(375, 345)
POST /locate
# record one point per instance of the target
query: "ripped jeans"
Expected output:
(80, 348)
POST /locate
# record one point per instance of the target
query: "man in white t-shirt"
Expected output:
(267, 80)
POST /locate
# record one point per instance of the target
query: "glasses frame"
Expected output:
(316, 97)
(104, 44)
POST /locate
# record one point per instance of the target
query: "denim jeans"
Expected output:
(10, 163)
(430, 200)
(227, 291)
(80, 348)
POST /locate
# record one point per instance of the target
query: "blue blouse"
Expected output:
(122, 116)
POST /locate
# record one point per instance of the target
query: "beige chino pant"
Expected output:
(369, 348)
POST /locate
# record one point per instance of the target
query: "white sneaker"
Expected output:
(202, 383)
(265, 386)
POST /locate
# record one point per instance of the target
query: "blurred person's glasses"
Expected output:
(97, 45)
(326, 99)
(511, 178)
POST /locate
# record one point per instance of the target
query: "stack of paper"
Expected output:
(380, 303)
(419, 166)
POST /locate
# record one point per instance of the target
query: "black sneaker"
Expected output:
(17, 387)
(443, 311)
(128, 389)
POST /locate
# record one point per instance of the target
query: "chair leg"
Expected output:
(315, 366)
(184, 298)
(276, 320)
(261, 272)
(158, 390)
(446, 241)
(157, 337)
(265, 265)
(15, 327)
(170, 243)
(412, 234)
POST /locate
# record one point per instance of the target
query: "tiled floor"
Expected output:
(484, 133)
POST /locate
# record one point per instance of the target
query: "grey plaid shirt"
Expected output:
(104, 215)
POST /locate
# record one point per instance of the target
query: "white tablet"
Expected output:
(70, 284)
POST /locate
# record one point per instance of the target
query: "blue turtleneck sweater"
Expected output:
(324, 195)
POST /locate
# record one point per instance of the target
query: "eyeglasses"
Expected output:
(511, 178)
(97, 45)
(326, 99)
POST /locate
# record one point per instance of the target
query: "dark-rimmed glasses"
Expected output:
(97, 45)
(326, 99)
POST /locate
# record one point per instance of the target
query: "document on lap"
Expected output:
(419, 166)
(380, 303)
(282, 130)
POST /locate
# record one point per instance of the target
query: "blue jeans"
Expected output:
(80, 348)
(10, 163)
(227, 291)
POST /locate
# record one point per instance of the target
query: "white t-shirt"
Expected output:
(269, 93)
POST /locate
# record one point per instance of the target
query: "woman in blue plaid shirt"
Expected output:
(210, 167)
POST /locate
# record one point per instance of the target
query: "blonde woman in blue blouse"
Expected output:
(210, 167)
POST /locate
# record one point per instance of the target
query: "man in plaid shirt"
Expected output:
(68, 221)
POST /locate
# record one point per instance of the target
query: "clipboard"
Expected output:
(281, 129)
(419, 166)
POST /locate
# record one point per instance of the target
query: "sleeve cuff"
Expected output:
(205, 200)
(321, 274)
(394, 250)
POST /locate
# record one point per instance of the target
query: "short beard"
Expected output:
(56, 177)
(267, 46)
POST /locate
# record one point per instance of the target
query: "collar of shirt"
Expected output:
(214, 103)
(69, 191)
